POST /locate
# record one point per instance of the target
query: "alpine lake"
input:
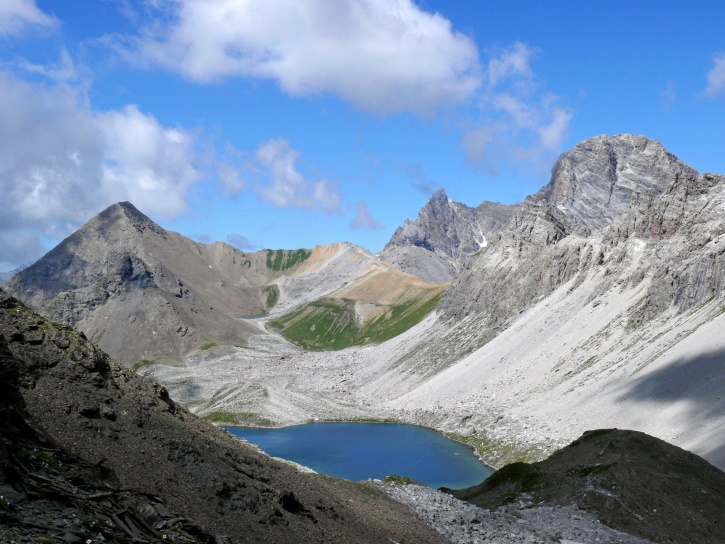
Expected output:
(361, 451)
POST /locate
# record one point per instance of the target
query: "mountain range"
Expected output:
(596, 303)
(143, 293)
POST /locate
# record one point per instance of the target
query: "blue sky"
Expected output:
(285, 124)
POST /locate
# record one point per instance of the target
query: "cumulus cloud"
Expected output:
(287, 187)
(240, 242)
(716, 77)
(381, 55)
(146, 162)
(61, 163)
(363, 219)
(510, 62)
(16, 16)
(519, 122)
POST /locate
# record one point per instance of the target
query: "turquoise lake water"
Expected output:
(358, 451)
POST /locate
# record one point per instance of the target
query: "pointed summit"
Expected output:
(123, 213)
(139, 289)
(439, 195)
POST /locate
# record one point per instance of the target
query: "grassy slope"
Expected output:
(282, 259)
(330, 324)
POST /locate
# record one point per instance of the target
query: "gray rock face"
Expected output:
(595, 181)
(444, 236)
(603, 194)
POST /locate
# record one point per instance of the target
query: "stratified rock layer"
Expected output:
(604, 194)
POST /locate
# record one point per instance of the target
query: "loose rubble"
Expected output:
(520, 522)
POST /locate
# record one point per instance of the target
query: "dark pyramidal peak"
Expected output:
(139, 290)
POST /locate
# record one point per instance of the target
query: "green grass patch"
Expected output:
(497, 453)
(331, 324)
(271, 295)
(207, 346)
(282, 259)
(142, 364)
(251, 419)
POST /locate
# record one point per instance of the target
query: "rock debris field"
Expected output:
(520, 522)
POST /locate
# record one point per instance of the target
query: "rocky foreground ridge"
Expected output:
(628, 480)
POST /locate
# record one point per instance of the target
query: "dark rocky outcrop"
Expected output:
(48, 494)
(126, 461)
(629, 480)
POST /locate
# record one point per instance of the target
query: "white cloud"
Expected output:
(716, 77)
(231, 179)
(64, 71)
(146, 163)
(363, 219)
(61, 163)
(520, 123)
(552, 134)
(287, 188)
(510, 62)
(233, 170)
(381, 55)
(16, 16)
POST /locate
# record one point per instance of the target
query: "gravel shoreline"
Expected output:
(520, 522)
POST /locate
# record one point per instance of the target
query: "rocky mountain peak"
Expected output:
(123, 214)
(444, 236)
(438, 198)
(596, 181)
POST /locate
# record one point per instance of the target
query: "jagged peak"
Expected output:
(438, 199)
(438, 194)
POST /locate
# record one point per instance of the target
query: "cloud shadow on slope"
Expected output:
(699, 379)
